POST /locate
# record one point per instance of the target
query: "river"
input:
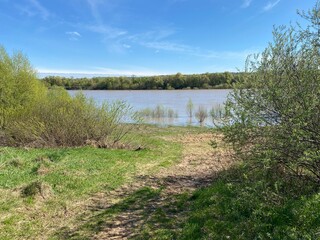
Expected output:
(176, 100)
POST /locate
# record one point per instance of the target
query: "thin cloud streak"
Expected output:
(270, 5)
(169, 46)
(111, 36)
(33, 9)
(107, 31)
(74, 34)
(44, 13)
(98, 71)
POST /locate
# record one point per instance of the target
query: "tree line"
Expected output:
(163, 82)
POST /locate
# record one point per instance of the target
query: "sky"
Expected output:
(141, 37)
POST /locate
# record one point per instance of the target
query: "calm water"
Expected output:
(174, 99)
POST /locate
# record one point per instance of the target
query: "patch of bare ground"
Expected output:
(150, 202)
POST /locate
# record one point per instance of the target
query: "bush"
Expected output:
(201, 114)
(33, 116)
(274, 109)
(64, 121)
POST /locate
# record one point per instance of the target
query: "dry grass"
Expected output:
(130, 210)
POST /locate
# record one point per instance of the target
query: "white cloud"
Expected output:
(153, 35)
(246, 3)
(73, 35)
(235, 55)
(126, 46)
(111, 37)
(270, 5)
(157, 39)
(169, 46)
(107, 31)
(97, 71)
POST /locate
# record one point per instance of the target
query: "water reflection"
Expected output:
(171, 106)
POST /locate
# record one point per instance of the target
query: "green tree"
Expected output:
(274, 109)
(19, 88)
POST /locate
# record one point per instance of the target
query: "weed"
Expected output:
(36, 188)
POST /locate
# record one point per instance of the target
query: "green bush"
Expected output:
(274, 110)
(33, 116)
(20, 90)
(61, 120)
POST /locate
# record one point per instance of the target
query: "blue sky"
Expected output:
(141, 37)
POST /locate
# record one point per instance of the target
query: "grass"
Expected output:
(40, 189)
(243, 203)
(43, 194)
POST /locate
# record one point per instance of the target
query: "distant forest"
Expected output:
(176, 81)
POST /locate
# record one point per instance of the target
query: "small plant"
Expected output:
(159, 112)
(36, 188)
(189, 108)
(42, 169)
(201, 114)
(16, 162)
(213, 143)
(43, 159)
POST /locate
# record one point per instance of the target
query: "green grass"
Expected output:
(245, 203)
(71, 175)
(42, 195)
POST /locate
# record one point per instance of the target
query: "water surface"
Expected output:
(176, 100)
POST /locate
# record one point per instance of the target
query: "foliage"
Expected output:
(251, 203)
(218, 114)
(275, 109)
(19, 88)
(177, 81)
(33, 116)
(61, 120)
(243, 202)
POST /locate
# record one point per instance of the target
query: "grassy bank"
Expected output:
(67, 193)
(43, 189)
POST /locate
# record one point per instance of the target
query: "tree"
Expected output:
(19, 88)
(274, 109)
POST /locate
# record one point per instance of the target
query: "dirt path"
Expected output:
(130, 210)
